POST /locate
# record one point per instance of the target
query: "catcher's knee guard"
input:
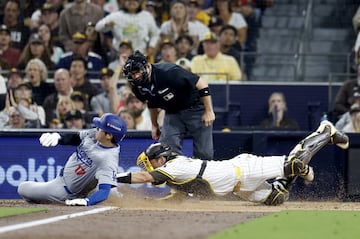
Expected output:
(279, 193)
(301, 155)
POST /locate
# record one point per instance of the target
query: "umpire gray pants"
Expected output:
(188, 122)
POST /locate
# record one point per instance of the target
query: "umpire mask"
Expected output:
(137, 64)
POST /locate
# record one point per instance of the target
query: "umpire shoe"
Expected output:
(336, 137)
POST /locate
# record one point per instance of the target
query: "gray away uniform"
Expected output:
(90, 165)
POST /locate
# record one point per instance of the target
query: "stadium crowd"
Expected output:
(52, 50)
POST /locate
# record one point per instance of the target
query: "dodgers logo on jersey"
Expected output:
(82, 156)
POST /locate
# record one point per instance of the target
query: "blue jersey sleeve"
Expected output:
(100, 195)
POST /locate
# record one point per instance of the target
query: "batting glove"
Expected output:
(49, 139)
(77, 202)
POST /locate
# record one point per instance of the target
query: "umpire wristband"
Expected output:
(204, 92)
(123, 178)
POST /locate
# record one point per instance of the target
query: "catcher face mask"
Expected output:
(144, 162)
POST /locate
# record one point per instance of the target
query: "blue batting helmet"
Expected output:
(111, 124)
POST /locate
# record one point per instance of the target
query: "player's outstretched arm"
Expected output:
(100, 195)
(136, 177)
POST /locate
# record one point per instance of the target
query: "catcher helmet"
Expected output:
(135, 63)
(111, 124)
(157, 150)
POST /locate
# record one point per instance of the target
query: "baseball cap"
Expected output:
(166, 41)
(5, 29)
(106, 72)
(215, 21)
(78, 37)
(73, 114)
(126, 42)
(48, 7)
(35, 39)
(15, 71)
(210, 36)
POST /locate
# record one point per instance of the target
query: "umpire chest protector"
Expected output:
(172, 88)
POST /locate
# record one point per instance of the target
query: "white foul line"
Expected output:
(52, 219)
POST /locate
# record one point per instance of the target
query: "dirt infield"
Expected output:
(145, 218)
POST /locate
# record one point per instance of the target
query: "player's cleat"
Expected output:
(336, 137)
(279, 193)
(309, 175)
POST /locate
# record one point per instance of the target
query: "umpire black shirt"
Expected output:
(172, 88)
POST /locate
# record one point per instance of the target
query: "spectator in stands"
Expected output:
(75, 18)
(152, 8)
(8, 53)
(200, 19)
(141, 111)
(132, 23)
(129, 117)
(93, 62)
(227, 39)
(178, 25)
(252, 16)
(224, 11)
(196, 13)
(184, 46)
(81, 83)
(54, 51)
(81, 104)
(125, 50)
(22, 100)
(50, 13)
(63, 106)
(353, 126)
(19, 32)
(344, 96)
(35, 49)
(101, 103)
(62, 83)
(214, 64)
(14, 78)
(16, 120)
(215, 25)
(37, 74)
(167, 51)
(345, 118)
(123, 93)
(74, 119)
(277, 114)
(95, 42)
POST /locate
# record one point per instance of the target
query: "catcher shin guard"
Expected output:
(301, 155)
(337, 137)
(279, 193)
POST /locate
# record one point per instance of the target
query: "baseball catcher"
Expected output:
(250, 177)
(94, 164)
